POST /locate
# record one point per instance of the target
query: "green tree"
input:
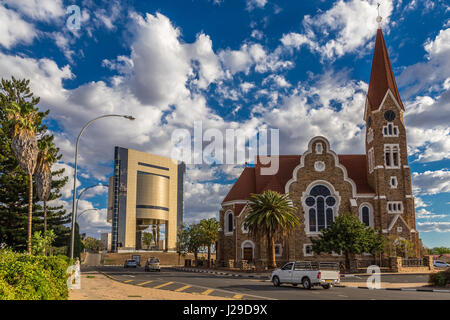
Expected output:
(196, 239)
(78, 245)
(41, 243)
(271, 213)
(147, 239)
(92, 244)
(14, 182)
(349, 236)
(24, 120)
(439, 250)
(210, 228)
(182, 241)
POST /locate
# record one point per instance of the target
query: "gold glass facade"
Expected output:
(146, 190)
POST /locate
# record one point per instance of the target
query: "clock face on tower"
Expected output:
(389, 115)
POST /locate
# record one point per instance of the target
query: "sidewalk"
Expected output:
(96, 286)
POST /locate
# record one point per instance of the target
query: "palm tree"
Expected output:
(210, 228)
(271, 214)
(48, 154)
(24, 120)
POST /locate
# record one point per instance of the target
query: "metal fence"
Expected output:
(412, 262)
(364, 263)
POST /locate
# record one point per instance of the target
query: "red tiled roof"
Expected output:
(251, 181)
(244, 185)
(381, 76)
(356, 166)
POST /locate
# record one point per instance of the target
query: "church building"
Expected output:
(375, 186)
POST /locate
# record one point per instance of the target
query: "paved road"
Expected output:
(92, 259)
(241, 288)
(391, 278)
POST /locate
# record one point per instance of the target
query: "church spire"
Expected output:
(381, 77)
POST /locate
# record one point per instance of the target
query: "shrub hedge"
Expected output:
(25, 277)
(440, 278)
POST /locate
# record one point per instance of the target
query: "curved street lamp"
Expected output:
(86, 189)
(81, 213)
(72, 241)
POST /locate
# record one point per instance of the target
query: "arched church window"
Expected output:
(229, 222)
(321, 208)
(365, 215)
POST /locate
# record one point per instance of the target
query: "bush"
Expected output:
(24, 277)
(440, 278)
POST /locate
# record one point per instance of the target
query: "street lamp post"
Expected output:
(81, 213)
(84, 190)
(72, 241)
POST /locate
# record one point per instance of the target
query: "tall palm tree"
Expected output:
(271, 214)
(48, 154)
(210, 228)
(24, 120)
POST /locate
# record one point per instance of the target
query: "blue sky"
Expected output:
(301, 66)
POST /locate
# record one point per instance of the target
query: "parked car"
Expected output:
(307, 273)
(440, 264)
(152, 264)
(130, 263)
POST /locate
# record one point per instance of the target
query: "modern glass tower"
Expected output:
(145, 190)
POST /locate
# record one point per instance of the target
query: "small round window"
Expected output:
(389, 115)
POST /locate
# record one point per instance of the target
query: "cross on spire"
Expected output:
(379, 18)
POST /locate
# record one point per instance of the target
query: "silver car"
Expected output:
(440, 264)
(152, 264)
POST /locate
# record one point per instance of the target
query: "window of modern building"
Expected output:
(320, 205)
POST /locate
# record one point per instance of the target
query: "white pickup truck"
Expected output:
(309, 274)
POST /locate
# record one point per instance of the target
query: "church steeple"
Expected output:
(381, 77)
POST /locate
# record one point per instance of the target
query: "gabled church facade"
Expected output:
(375, 186)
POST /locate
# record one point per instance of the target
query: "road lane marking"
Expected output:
(238, 296)
(182, 288)
(141, 284)
(163, 285)
(126, 281)
(207, 292)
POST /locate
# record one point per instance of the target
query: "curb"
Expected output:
(398, 289)
(221, 273)
(337, 286)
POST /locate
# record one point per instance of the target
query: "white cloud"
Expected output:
(163, 64)
(13, 29)
(252, 4)
(433, 226)
(332, 106)
(346, 27)
(44, 10)
(250, 55)
(424, 76)
(431, 182)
